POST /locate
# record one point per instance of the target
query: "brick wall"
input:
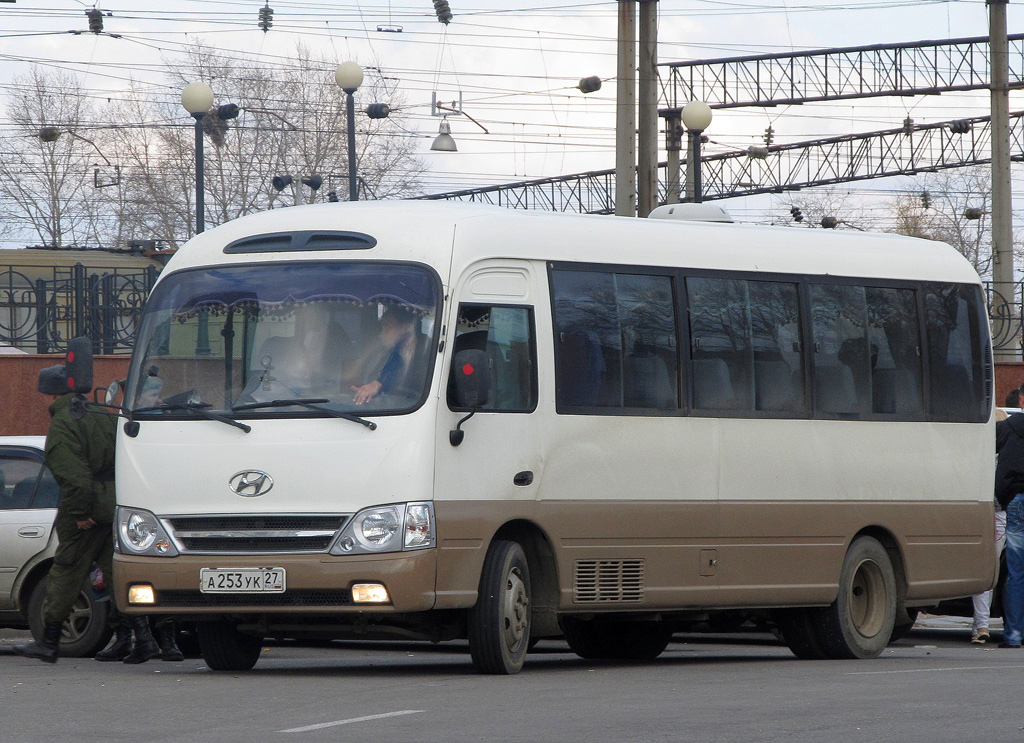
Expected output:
(23, 410)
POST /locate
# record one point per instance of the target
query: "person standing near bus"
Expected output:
(80, 454)
(982, 602)
(1010, 494)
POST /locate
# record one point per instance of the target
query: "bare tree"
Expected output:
(952, 206)
(47, 164)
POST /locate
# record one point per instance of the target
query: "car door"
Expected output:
(27, 509)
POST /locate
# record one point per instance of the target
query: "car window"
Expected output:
(18, 480)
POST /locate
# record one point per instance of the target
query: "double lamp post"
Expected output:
(197, 99)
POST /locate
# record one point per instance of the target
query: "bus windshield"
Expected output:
(354, 337)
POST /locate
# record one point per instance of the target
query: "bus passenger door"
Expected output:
(489, 476)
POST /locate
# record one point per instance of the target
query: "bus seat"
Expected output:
(21, 496)
(834, 391)
(712, 385)
(895, 391)
(647, 383)
(773, 385)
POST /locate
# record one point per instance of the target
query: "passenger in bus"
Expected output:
(398, 335)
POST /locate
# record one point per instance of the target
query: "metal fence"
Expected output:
(42, 307)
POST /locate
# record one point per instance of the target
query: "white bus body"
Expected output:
(682, 418)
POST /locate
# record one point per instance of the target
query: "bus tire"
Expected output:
(499, 623)
(799, 630)
(85, 632)
(224, 648)
(860, 621)
(628, 640)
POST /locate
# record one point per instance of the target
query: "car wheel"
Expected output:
(86, 631)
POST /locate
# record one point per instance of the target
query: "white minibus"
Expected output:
(407, 419)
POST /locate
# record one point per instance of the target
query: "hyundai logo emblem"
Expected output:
(251, 483)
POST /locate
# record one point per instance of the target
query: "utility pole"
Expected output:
(1003, 302)
(625, 112)
(647, 154)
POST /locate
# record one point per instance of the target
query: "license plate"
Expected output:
(241, 580)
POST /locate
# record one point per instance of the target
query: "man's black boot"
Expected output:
(47, 649)
(145, 646)
(120, 649)
(169, 649)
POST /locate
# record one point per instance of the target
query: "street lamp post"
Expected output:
(349, 77)
(696, 118)
(197, 98)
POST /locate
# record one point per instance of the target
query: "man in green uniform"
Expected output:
(80, 454)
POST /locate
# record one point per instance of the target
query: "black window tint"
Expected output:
(615, 340)
(959, 373)
(895, 347)
(720, 344)
(842, 358)
(778, 357)
(18, 478)
(650, 377)
(587, 339)
(505, 334)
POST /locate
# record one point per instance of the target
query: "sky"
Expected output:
(513, 65)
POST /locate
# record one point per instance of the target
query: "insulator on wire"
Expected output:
(444, 12)
(95, 17)
(798, 215)
(266, 17)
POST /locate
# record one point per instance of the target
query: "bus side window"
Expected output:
(955, 317)
(505, 334)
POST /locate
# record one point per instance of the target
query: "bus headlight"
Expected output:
(394, 528)
(139, 532)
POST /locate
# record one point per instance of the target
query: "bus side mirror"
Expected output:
(112, 392)
(470, 370)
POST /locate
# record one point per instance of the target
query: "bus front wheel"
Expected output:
(860, 621)
(499, 624)
(224, 648)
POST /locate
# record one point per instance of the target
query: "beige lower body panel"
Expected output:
(727, 555)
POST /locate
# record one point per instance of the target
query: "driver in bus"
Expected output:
(398, 336)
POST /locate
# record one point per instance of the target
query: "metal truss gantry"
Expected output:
(919, 68)
(788, 167)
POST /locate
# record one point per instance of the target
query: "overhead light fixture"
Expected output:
(444, 142)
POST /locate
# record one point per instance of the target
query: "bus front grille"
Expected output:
(608, 581)
(255, 534)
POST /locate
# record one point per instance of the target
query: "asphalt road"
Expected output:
(931, 686)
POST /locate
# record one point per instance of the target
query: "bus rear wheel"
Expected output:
(860, 621)
(626, 640)
(224, 648)
(499, 624)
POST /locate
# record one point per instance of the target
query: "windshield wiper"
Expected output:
(199, 408)
(307, 402)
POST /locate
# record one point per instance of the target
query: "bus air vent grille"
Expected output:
(608, 581)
